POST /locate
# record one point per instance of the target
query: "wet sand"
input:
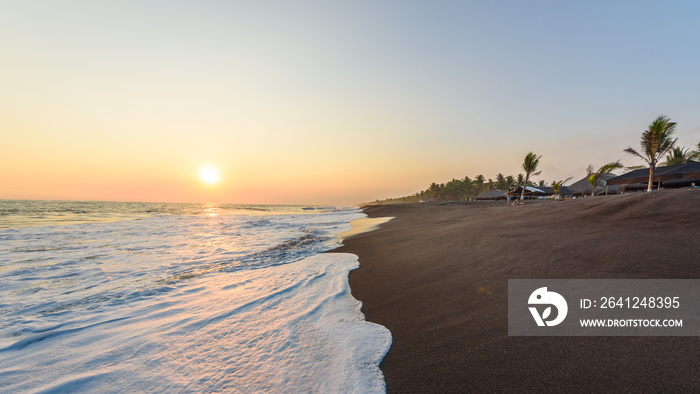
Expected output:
(436, 277)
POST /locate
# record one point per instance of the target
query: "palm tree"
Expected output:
(510, 181)
(433, 190)
(656, 142)
(479, 183)
(501, 182)
(530, 166)
(556, 185)
(679, 155)
(468, 185)
(594, 177)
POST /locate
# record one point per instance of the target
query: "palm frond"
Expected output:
(696, 154)
(556, 185)
(530, 166)
(608, 168)
(666, 147)
(657, 140)
(634, 152)
(679, 155)
(594, 177)
(531, 162)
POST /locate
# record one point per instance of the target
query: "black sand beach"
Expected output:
(436, 277)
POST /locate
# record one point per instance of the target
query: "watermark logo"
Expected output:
(543, 297)
(604, 307)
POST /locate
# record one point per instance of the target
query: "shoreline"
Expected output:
(363, 225)
(436, 277)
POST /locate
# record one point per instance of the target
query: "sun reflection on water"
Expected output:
(211, 209)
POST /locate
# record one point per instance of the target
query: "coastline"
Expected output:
(363, 225)
(436, 277)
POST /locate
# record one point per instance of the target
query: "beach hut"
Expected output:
(492, 195)
(564, 192)
(583, 187)
(679, 175)
(531, 192)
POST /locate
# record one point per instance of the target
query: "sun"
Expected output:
(209, 175)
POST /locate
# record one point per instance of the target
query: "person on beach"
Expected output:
(508, 194)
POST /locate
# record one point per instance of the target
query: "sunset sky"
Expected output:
(329, 102)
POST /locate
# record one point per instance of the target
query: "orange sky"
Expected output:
(324, 103)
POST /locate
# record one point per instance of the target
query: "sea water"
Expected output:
(115, 297)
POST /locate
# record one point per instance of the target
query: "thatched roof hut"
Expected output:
(678, 175)
(492, 195)
(583, 187)
(531, 192)
(549, 191)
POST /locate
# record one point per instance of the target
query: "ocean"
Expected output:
(114, 297)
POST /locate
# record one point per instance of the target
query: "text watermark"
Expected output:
(604, 307)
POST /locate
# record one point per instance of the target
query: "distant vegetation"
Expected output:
(464, 189)
(656, 142)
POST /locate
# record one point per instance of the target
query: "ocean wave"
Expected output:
(284, 253)
(243, 302)
(287, 328)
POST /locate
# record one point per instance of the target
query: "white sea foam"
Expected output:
(187, 304)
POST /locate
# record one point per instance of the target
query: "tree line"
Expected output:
(466, 188)
(656, 142)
